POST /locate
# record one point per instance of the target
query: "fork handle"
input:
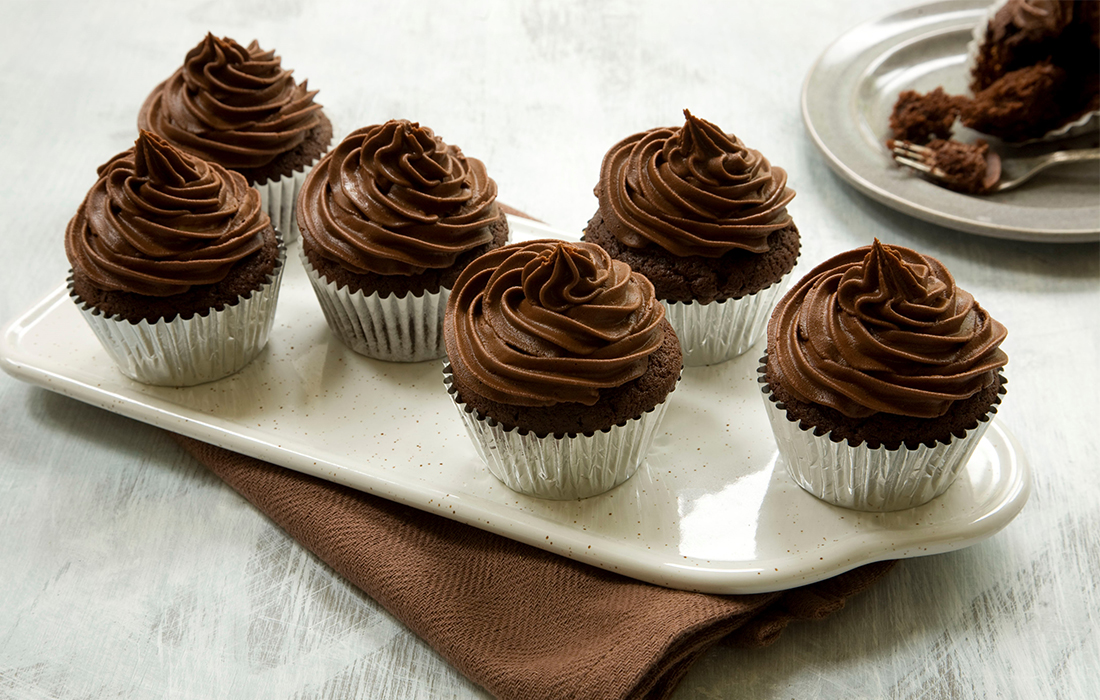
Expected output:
(1041, 163)
(1079, 155)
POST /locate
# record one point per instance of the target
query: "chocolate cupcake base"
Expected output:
(390, 327)
(201, 348)
(559, 468)
(616, 405)
(278, 198)
(719, 307)
(430, 280)
(721, 330)
(280, 182)
(697, 279)
(245, 276)
(854, 474)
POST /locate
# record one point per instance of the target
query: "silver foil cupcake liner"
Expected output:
(196, 350)
(559, 468)
(864, 478)
(391, 328)
(721, 330)
(279, 199)
(1087, 123)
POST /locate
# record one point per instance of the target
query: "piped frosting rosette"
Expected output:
(393, 200)
(697, 191)
(693, 190)
(553, 325)
(157, 224)
(875, 374)
(238, 107)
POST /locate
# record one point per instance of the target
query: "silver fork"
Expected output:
(1013, 171)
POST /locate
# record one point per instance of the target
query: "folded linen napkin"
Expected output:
(521, 622)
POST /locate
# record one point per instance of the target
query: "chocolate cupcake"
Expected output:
(1035, 70)
(175, 266)
(880, 378)
(238, 107)
(561, 363)
(389, 218)
(705, 219)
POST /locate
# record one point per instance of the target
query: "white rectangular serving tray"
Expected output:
(712, 509)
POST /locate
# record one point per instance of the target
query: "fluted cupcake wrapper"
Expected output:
(1086, 123)
(721, 330)
(391, 328)
(185, 352)
(864, 478)
(559, 468)
(279, 198)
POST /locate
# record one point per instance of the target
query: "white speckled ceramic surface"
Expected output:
(710, 510)
(848, 96)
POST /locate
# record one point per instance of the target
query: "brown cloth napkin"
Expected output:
(521, 622)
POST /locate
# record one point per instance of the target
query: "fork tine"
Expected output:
(923, 166)
(900, 153)
(915, 164)
(912, 150)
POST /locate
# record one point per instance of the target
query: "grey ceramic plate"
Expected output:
(846, 103)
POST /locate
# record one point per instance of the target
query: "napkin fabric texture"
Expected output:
(521, 622)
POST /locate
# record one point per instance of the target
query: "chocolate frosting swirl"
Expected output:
(883, 329)
(548, 322)
(693, 191)
(394, 199)
(159, 221)
(232, 105)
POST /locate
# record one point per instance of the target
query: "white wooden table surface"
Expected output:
(127, 570)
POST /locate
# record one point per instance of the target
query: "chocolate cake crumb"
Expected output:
(965, 167)
(920, 118)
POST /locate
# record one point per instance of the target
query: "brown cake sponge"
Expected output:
(1023, 104)
(920, 118)
(965, 167)
(615, 406)
(247, 276)
(736, 274)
